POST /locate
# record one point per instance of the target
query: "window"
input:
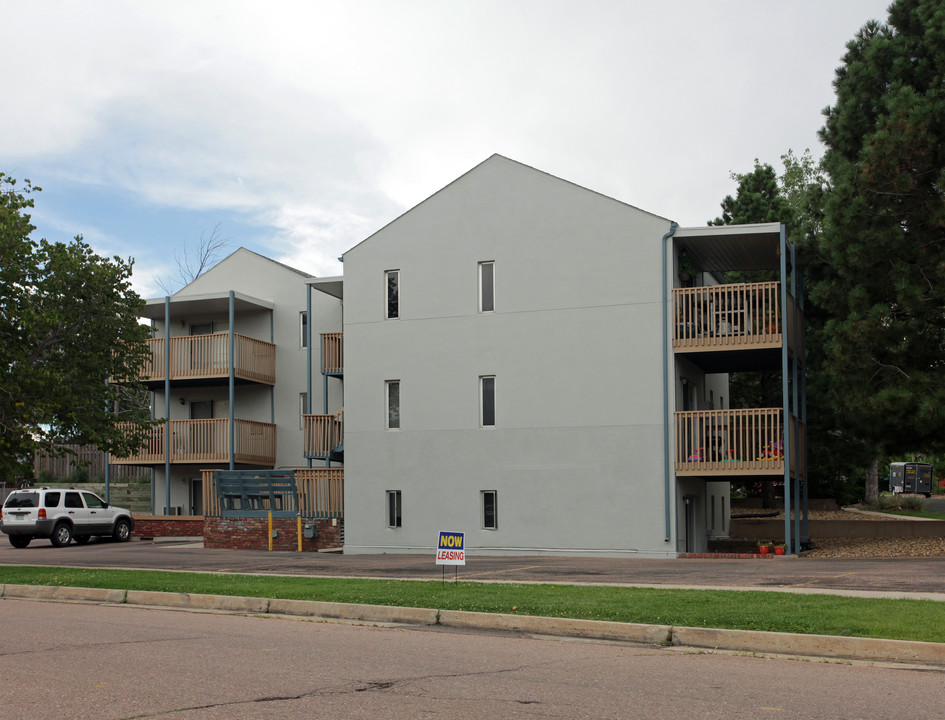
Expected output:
(392, 278)
(487, 286)
(303, 329)
(489, 514)
(303, 409)
(93, 501)
(393, 404)
(393, 509)
(487, 400)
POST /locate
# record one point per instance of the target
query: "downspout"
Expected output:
(666, 412)
(232, 382)
(167, 404)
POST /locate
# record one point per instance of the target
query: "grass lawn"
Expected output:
(745, 610)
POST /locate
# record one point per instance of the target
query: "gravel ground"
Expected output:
(872, 547)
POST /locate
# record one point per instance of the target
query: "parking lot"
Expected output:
(925, 575)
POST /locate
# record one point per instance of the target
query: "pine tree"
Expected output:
(883, 236)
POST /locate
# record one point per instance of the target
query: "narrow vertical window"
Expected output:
(393, 509)
(489, 510)
(392, 278)
(487, 401)
(303, 409)
(303, 329)
(487, 286)
(393, 404)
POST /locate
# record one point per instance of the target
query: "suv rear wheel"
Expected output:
(20, 541)
(61, 535)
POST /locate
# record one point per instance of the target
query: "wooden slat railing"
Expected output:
(333, 353)
(322, 434)
(734, 442)
(208, 356)
(723, 316)
(207, 441)
(320, 492)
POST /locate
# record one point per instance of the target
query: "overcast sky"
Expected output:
(301, 127)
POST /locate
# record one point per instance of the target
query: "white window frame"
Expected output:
(387, 303)
(394, 512)
(387, 405)
(483, 383)
(495, 509)
(482, 288)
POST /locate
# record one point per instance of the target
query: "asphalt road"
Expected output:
(881, 574)
(104, 662)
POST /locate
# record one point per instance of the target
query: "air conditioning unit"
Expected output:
(176, 510)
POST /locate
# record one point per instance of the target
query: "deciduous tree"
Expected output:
(68, 325)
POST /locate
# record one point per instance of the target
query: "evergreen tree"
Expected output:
(883, 238)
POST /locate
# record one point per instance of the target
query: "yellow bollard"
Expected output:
(270, 531)
(300, 533)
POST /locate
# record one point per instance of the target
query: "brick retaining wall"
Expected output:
(252, 534)
(152, 526)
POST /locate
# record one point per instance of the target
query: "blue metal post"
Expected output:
(167, 404)
(785, 397)
(232, 381)
(666, 412)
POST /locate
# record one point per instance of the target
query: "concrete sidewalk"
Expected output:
(822, 646)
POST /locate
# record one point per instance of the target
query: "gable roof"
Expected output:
(495, 158)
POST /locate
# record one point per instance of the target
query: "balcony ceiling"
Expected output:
(215, 303)
(732, 247)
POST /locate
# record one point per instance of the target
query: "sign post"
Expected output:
(451, 550)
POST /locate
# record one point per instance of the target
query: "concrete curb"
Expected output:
(826, 646)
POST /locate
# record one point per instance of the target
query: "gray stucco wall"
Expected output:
(575, 346)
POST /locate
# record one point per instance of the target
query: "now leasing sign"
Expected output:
(451, 550)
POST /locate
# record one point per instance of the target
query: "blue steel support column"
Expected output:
(167, 404)
(800, 340)
(308, 355)
(666, 413)
(796, 429)
(785, 397)
(272, 388)
(232, 382)
(107, 474)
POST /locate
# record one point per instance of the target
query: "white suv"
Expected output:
(62, 515)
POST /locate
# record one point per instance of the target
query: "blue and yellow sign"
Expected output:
(451, 549)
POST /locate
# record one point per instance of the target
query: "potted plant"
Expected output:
(764, 547)
(779, 549)
(686, 269)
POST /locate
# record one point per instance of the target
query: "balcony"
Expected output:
(206, 358)
(332, 354)
(739, 316)
(737, 443)
(198, 442)
(324, 436)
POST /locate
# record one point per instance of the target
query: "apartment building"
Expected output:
(230, 371)
(546, 369)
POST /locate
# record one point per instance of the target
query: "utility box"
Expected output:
(910, 477)
(308, 531)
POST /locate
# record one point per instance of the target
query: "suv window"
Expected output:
(92, 500)
(73, 500)
(52, 499)
(23, 500)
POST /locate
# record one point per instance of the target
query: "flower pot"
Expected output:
(779, 549)
(763, 549)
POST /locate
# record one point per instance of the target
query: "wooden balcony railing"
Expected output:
(323, 434)
(208, 356)
(320, 493)
(736, 442)
(206, 441)
(723, 317)
(332, 353)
